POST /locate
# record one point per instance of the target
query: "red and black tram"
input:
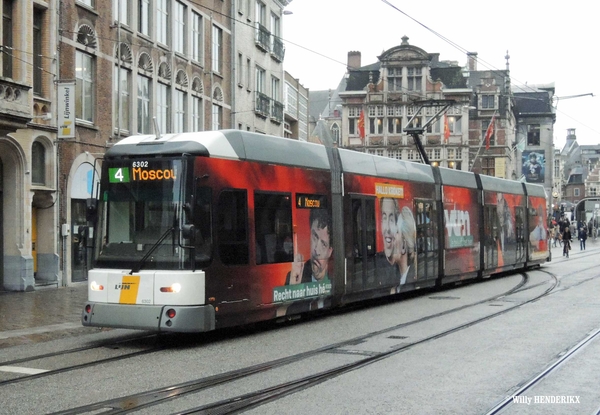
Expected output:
(199, 231)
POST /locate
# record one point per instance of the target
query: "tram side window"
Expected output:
(232, 227)
(203, 223)
(273, 228)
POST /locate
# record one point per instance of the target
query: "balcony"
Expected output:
(262, 105)
(278, 51)
(15, 111)
(277, 112)
(263, 37)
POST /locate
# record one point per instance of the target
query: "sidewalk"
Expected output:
(36, 316)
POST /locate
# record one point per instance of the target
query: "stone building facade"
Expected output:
(28, 163)
(257, 66)
(295, 109)
(468, 118)
(409, 88)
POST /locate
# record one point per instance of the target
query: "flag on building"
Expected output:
(446, 129)
(361, 125)
(489, 133)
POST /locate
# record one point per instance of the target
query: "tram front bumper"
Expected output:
(186, 319)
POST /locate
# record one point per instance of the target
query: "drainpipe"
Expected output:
(234, 75)
(119, 70)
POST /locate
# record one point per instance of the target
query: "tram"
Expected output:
(201, 231)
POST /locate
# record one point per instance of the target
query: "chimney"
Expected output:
(353, 60)
(472, 61)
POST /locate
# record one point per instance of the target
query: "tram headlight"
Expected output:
(94, 286)
(175, 288)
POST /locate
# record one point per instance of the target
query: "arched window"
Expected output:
(217, 109)
(335, 132)
(163, 98)
(144, 92)
(38, 163)
(122, 84)
(197, 105)
(85, 73)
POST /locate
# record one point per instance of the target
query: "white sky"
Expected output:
(547, 42)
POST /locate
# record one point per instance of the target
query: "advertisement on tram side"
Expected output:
(506, 229)
(281, 221)
(461, 224)
(312, 265)
(392, 227)
(538, 231)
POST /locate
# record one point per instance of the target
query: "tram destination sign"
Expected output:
(304, 201)
(142, 171)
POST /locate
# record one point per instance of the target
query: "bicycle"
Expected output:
(557, 238)
(566, 248)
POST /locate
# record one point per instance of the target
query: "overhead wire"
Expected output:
(479, 60)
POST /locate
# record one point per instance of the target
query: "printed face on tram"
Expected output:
(389, 217)
(320, 250)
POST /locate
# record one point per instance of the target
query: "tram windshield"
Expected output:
(141, 214)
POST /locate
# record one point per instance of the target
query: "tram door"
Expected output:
(427, 239)
(520, 232)
(490, 229)
(363, 239)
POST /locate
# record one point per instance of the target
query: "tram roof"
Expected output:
(363, 163)
(535, 190)
(452, 177)
(498, 184)
(228, 144)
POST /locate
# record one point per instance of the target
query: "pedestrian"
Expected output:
(582, 237)
(566, 241)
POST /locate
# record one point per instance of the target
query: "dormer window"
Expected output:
(488, 102)
(533, 134)
(394, 79)
(414, 79)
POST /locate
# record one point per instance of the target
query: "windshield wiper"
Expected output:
(151, 250)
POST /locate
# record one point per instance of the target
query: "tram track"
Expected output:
(247, 401)
(104, 344)
(162, 346)
(531, 383)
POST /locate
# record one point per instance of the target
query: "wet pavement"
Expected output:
(41, 315)
(51, 313)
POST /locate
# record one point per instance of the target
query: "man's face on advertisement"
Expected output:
(320, 250)
(388, 225)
